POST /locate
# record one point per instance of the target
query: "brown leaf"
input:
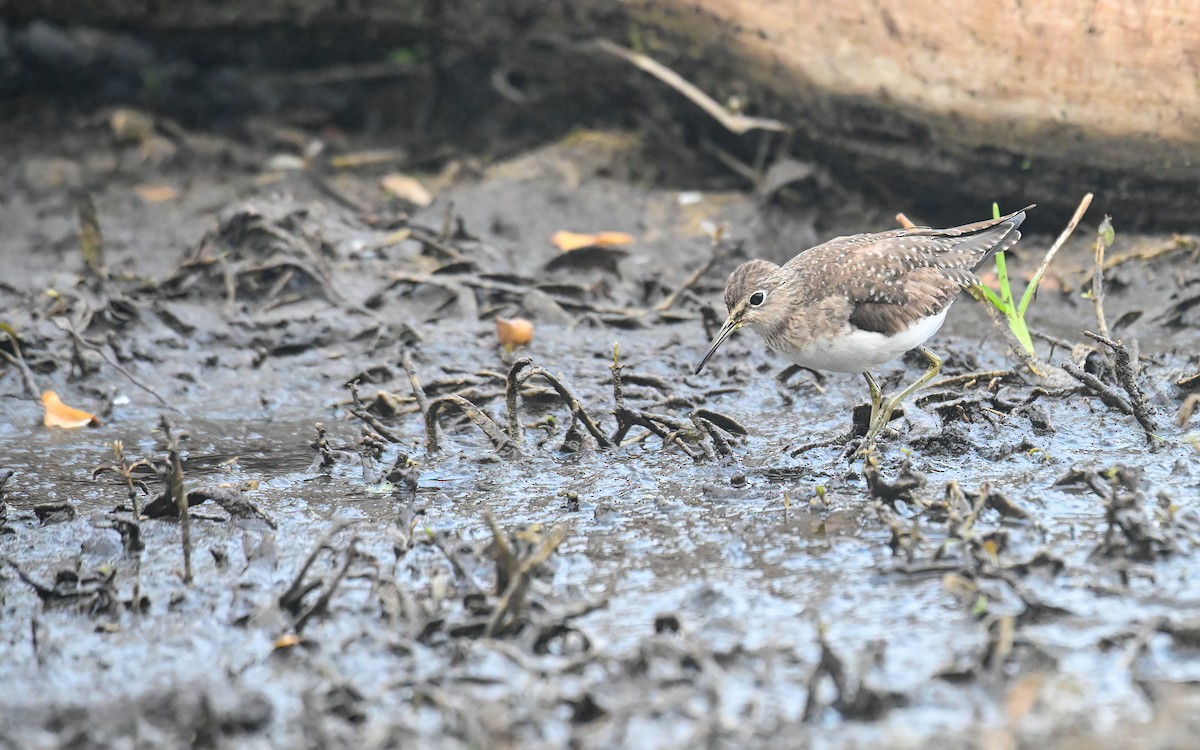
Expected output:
(156, 193)
(59, 414)
(568, 241)
(407, 188)
(514, 332)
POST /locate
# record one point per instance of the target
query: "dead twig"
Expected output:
(68, 326)
(1062, 239)
(688, 283)
(1184, 415)
(233, 502)
(132, 539)
(18, 360)
(1106, 393)
(514, 592)
(360, 411)
(1127, 375)
(618, 385)
(292, 599)
(506, 559)
(91, 239)
(321, 605)
(734, 123)
(522, 371)
(971, 378)
(406, 361)
(455, 558)
(1187, 382)
(666, 428)
(720, 442)
(449, 252)
(175, 483)
(1104, 238)
(856, 699)
(494, 432)
(1177, 242)
(1053, 341)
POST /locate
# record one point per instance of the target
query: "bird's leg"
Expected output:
(889, 406)
(868, 443)
(876, 397)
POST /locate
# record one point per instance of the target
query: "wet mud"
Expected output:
(399, 532)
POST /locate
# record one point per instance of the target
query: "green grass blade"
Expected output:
(990, 296)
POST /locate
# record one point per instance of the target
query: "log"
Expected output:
(1009, 100)
(935, 103)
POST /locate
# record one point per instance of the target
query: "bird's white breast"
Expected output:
(856, 350)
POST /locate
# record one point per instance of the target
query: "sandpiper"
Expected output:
(856, 302)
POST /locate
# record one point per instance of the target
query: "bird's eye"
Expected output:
(757, 299)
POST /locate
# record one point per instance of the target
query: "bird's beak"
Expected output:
(730, 326)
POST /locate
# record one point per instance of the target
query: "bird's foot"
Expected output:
(866, 448)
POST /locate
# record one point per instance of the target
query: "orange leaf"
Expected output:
(514, 332)
(568, 241)
(613, 239)
(156, 193)
(59, 414)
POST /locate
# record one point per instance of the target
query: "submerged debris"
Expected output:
(907, 482)
(855, 697)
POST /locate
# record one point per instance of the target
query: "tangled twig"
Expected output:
(494, 432)
(522, 371)
(1127, 375)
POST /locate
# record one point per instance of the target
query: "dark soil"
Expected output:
(1017, 569)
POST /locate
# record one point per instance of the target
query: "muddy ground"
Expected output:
(1018, 569)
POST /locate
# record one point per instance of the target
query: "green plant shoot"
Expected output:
(1014, 312)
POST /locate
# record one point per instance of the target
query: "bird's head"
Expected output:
(749, 300)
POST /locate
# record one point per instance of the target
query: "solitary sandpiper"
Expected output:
(856, 302)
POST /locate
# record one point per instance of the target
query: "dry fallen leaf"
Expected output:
(156, 193)
(407, 188)
(568, 241)
(1023, 695)
(287, 640)
(59, 414)
(364, 158)
(514, 332)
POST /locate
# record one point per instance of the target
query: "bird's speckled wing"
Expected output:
(894, 278)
